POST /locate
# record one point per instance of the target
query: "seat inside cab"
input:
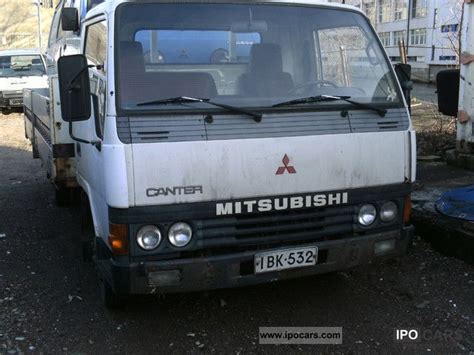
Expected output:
(137, 83)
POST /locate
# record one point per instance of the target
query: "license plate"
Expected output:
(285, 259)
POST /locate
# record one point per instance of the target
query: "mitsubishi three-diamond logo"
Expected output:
(286, 167)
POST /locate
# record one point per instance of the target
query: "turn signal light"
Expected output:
(407, 210)
(118, 238)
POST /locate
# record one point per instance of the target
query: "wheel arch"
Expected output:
(99, 217)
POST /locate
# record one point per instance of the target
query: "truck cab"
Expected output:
(227, 144)
(60, 42)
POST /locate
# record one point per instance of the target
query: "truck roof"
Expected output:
(109, 5)
(20, 52)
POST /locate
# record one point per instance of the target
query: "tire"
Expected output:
(62, 197)
(65, 197)
(87, 230)
(87, 251)
(110, 298)
(34, 149)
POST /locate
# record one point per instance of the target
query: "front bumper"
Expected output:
(236, 269)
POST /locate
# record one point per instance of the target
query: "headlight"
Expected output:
(388, 212)
(148, 237)
(180, 234)
(367, 215)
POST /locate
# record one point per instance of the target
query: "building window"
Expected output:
(395, 59)
(385, 11)
(416, 59)
(418, 36)
(449, 28)
(399, 36)
(400, 10)
(385, 38)
(447, 57)
(419, 8)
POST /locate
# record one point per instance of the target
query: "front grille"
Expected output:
(193, 127)
(315, 224)
(13, 94)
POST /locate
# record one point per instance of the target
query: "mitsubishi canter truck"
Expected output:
(228, 143)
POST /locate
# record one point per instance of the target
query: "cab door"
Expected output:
(89, 157)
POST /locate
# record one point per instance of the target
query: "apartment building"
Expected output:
(428, 28)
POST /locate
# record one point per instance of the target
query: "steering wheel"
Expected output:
(310, 86)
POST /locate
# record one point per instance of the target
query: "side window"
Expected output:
(61, 33)
(94, 3)
(53, 34)
(96, 44)
(96, 53)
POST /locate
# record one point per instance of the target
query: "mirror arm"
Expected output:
(97, 144)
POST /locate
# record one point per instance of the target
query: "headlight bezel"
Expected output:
(172, 239)
(395, 209)
(367, 206)
(139, 237)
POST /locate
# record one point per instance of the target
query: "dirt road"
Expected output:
(49, 299)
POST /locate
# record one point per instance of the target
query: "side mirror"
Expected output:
(70, 19)
(74, 88)
(447, 85)
(403, 72)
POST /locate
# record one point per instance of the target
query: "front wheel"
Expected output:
(110, 298)
(65, 196)
(62, 196)
(34, 149)
(88, 238)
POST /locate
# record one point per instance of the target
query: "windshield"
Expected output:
(247, 55)
(21, 65)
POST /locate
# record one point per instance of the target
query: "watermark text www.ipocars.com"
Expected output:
(300, 335)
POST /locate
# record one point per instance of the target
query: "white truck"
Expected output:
(226, 143)
(20, 69)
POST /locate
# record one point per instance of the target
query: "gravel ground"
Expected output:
(49, 299)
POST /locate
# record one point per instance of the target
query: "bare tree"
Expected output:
(455, 11)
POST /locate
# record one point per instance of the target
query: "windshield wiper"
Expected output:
(185, 99)
(323, 98)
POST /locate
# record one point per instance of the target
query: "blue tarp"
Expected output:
(458, 203)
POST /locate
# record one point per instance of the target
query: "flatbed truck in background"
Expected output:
(20, 69)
